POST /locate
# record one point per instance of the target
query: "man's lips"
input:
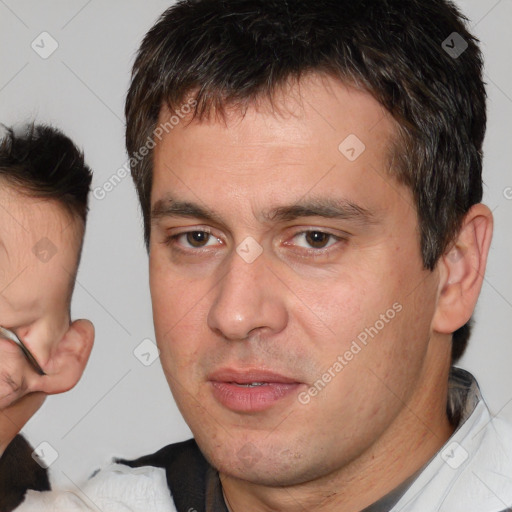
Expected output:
(250, 390)
(248, 376)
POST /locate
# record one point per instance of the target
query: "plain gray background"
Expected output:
(121, 407)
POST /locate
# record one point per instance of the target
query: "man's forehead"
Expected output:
(315, 93)
(339, 136)
(333, 121)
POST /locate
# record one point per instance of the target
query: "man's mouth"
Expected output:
(251, 385)
(251, 390)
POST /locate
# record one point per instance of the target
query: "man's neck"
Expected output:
(416, 435)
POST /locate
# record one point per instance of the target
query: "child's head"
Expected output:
(44, 185)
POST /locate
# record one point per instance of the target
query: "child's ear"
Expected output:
(68, 359)
(461, 271)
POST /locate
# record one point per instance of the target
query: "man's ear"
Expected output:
(68, 359)
(461, 271)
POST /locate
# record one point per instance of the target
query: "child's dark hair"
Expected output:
(42, 162)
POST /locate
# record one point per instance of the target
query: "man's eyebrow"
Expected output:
(319, 207)
(322, 207)
(170, 207)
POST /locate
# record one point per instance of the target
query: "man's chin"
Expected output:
(259, 464)
(270, 475)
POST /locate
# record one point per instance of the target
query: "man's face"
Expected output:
(39, 247)
(283, 254)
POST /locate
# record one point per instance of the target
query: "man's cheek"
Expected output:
(178, 372)
(181, 349)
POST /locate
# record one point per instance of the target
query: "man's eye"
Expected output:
(315, 239)
(194, 239)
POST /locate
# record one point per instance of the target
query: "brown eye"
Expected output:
(198, 238)
(317, 239)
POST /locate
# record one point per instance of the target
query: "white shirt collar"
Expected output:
(473, 470)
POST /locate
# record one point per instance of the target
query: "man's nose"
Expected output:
(249, 298)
